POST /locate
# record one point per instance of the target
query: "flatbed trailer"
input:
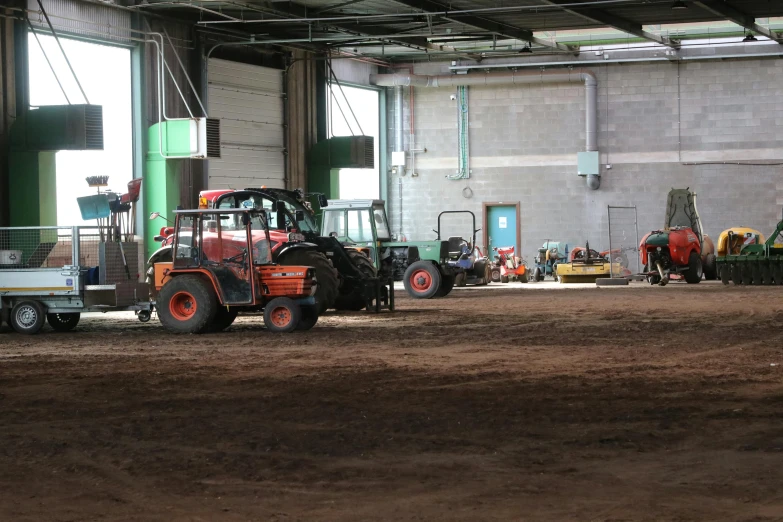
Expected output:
(58, 273)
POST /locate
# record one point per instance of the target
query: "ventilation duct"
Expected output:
(587, 161)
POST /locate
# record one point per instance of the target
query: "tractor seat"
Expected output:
(455, 246)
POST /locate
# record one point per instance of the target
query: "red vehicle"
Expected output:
(680, 248)
(507, 266)
(287, 223)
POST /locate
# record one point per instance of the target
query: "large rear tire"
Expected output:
(327, 276)
(282, 315)
(710, 268)
(694, 272)
(309, 318)
(187, 304)
(63, 322)
(422, 280)
(224, 317)
(355, 301)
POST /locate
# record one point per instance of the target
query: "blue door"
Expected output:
(502, 228)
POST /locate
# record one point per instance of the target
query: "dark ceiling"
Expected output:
(414, 29)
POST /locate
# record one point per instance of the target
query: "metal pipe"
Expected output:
(54, 33)
(185, 72)
(398, 119)
(515, 78)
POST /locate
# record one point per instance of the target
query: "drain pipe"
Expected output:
(526, 77)
(398, 140)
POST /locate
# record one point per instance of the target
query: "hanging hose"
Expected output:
(463, 144)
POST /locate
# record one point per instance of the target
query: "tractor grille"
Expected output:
(213, 138)
(93, 127)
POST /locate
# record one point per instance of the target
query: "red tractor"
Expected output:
(680, 248)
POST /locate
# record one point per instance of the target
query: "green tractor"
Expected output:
(422, 266)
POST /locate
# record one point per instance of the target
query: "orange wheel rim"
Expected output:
(280, 316)
(182, 306)
(421, 280)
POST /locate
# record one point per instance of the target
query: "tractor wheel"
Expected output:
(777, 273)
(328, 279)
(495, 274)
(710, 268)
(736, 273)
(187, 304)
(755, 272)
(282, 315)
(309, 318)
(725, 273)
(224, 317)
(353, 301)
(694, 272)
(766, 274)
(504, 279)
(537, 276)
(447, 283)
(422, 280)
(481, 269)
(27, 317)
(63, 322)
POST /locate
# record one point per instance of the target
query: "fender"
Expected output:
(158, 254)
(294, 246)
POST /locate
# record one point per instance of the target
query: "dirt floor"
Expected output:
(634, 404)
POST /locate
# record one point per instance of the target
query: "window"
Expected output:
(360, 225)
(379, 214)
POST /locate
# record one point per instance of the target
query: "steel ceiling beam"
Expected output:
(600, 16)
(739, 17)
(501, 29)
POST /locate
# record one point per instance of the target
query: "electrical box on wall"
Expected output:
(398, 158)
(587, 163)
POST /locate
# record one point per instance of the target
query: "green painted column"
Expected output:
(162, 173)
(33, 183)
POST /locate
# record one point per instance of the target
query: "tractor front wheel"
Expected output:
(694, 272)
(187, 304)
(422, 280)
(282, 315)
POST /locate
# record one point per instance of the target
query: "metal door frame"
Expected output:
(485, 206)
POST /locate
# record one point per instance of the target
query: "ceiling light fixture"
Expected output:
(679, 4)
(750, 38)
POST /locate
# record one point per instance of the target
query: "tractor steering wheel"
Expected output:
(239, 259)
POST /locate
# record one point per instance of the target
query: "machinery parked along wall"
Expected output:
(745, 258)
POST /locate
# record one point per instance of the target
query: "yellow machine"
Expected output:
(585, 265)
(731, 241)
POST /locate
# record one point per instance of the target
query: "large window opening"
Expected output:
(105, 75)
(356, 111)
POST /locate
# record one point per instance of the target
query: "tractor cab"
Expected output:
(358, 223)
(222, 264)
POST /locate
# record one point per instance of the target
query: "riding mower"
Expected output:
(507, 266)
(465, 258)
(549, 255)
(680, 249)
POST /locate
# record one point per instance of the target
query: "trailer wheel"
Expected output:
(422, 280)
(63, 322)
(725, 273)
(309, 318)
(694, 272)
(27, 317)
(186, 304)
(282, 315)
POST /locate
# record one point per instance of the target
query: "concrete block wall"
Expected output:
(524, 142)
